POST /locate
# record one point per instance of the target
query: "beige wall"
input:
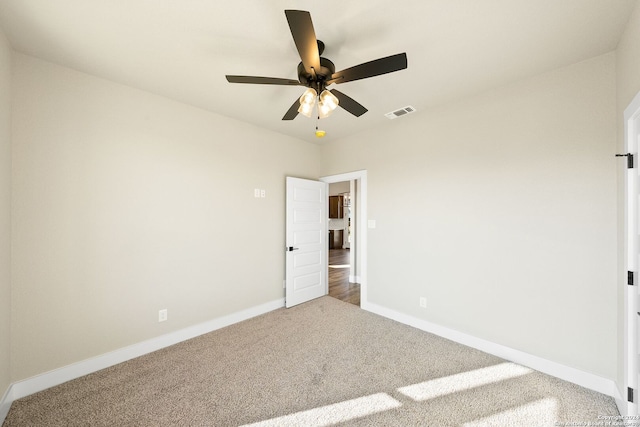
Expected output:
(5, 212)
(125, 203)
(501, 211)
(338, 188)
(627, 85)
(628, 64)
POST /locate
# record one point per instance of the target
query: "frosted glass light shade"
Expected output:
(309, 96)
(326, 104)
(324, 110)
(306, 109)
(307, 101)
(329, 99)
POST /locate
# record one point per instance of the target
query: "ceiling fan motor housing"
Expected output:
(327, 68)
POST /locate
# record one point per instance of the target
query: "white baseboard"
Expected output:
(576, 376)
(58, 376)
(5, 404)
(621, 403)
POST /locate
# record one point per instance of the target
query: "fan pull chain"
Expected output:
(319, 133)
(318, 109)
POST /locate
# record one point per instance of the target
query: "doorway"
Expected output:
(347, 255)
(342, 246)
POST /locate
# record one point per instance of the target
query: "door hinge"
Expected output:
(629, 394)
(629, 157)
(630, 278)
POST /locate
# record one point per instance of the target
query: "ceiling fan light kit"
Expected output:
(309, 96)
(307, 102)
(323, 111)
(327, 103)
(317, 73)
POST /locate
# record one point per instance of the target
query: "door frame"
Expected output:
(631, 248)
(361, 229)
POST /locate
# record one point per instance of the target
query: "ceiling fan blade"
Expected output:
(373, 68)
(304, 37)
(263, 80)
(293, 111)
(348, 103)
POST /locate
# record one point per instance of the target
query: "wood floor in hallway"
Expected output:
(339, 286)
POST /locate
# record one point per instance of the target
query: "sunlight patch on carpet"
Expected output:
(543, 412)
(463, 381)
(332, 414)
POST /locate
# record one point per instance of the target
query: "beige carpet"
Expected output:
(321, 363)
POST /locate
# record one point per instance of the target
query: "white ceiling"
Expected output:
(182, 49)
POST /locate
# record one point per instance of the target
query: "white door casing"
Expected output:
(632, 247)
(360, 231)
(306, 241)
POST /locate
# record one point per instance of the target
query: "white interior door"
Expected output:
(631, 294)
(306, 241)
(633, 247)
(632, 306)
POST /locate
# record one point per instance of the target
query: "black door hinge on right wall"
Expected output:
(630, 278)
(629, 157)
(629, 394)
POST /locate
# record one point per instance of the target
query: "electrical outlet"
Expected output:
(263, 193)
(256, 192)
(162, 315)
(423, 302)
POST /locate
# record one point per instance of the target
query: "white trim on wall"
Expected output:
(49, 379)
(354, 279)
(567, 373)
(61, 375)
(5, 404)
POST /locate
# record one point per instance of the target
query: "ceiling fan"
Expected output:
(316, 72)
